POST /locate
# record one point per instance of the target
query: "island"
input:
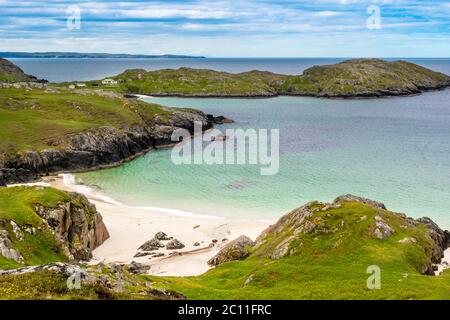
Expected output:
(356, 78)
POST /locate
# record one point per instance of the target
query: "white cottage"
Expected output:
(109, 82)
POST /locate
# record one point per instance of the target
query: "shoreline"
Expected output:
(131, 226)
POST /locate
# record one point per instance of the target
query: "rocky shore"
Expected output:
(100, 147)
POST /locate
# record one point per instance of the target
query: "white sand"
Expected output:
(130, 227)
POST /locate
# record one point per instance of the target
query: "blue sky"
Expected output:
(245, 28)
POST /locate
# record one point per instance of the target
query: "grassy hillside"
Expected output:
(351, 78)
(16, 204)
(363, 77)
(327, 262)
(199, 82)
(36, 119)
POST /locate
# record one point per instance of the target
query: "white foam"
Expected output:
(69, 179)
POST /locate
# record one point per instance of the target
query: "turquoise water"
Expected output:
(395, 150)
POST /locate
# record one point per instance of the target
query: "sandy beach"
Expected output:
(130, 227)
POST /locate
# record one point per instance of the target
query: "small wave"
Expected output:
(70, 179)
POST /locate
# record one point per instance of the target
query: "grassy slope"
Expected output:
(48, 285)
(319, 270)
(186, 81)
(32, 119)
(360, 76)
(351, 77)
(16, 204)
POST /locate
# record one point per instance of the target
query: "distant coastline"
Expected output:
(81, 55)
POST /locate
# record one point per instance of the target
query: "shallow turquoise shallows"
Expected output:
(395, 150)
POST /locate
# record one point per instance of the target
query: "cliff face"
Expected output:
(78, 228)
(41, 225)
(98, 147)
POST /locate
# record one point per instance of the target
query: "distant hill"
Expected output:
(348, 79)
(81, 55)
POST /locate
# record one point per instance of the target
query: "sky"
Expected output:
(244, 28)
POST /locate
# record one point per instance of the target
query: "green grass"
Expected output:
(17, 204)
(320, 269)
(48, 285)
(37, 120)
(187, 81)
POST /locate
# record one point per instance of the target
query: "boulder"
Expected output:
(382, 230)
(175, 244)
(6, 249)
(235, 250)
(151, 245)
(161, 236)
(138, 268)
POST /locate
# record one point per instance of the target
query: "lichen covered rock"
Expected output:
(235, 250)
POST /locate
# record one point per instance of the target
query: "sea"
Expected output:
(394, 150)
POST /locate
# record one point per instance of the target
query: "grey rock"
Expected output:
(383, 230)
(17, 231)
(77, 226)
(138, 268)
(151, 245)
(6, 249)
(235, 250)
(175, 244)
(352, 198)
(142, 254)
(161, 236)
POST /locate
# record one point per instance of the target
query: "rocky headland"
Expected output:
(356, 78)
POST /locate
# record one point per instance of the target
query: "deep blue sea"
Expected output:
(395, 150)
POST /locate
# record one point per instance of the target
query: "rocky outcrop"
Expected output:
(315, 219)
(98, 147)
(175, 244)
(382, 230)
(153, 244)
(6, 249)
(77, 226)
(441, 239)
(352, 198)
(9, 72)
(235, 250)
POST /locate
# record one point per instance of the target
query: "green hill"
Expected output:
(45, 130)
(351, 78)
(323, 251)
